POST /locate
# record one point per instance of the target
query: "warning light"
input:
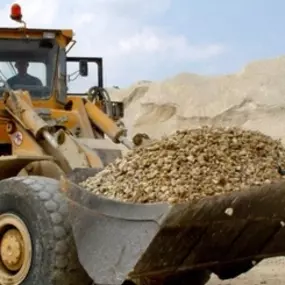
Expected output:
(16, 13)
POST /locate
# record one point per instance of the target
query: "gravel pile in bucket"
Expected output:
(190, 165)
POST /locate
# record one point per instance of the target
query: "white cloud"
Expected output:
(150, 42)
(118, 30)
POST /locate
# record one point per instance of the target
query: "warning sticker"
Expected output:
(18, 138)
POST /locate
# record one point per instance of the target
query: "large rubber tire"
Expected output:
(38, 202)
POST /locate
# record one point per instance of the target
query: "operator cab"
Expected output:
(29, 64)
(36, 60)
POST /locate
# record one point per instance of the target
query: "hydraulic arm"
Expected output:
(108, 126)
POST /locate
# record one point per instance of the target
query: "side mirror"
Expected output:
(83, 68)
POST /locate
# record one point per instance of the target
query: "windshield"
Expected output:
(28, 65)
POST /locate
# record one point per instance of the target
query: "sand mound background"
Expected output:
(253, 98)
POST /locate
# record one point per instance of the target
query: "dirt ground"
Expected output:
(269, 272)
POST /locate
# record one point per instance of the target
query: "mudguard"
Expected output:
(118, 241)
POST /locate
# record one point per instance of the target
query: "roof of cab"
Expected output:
(18, 33)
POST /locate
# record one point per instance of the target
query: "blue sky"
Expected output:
(249, 30)
(153, 40)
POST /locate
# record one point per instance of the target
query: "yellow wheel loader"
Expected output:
(54, 232)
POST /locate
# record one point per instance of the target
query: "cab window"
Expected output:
(28, 65)
(35, 69)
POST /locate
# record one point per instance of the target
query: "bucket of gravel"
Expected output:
(205, 198)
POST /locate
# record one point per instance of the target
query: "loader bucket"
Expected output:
(118, 241)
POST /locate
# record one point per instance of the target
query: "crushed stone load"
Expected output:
(190, 165)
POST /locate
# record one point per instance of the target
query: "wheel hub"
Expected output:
(12, 247)
(15, 250)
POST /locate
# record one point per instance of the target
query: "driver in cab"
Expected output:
(23, 78)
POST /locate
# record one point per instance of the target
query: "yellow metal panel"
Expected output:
(10, 165)
(63, 36)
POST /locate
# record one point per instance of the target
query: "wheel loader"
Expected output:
(54, 232)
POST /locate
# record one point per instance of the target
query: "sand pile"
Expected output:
(190, 165)
(252, 99)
